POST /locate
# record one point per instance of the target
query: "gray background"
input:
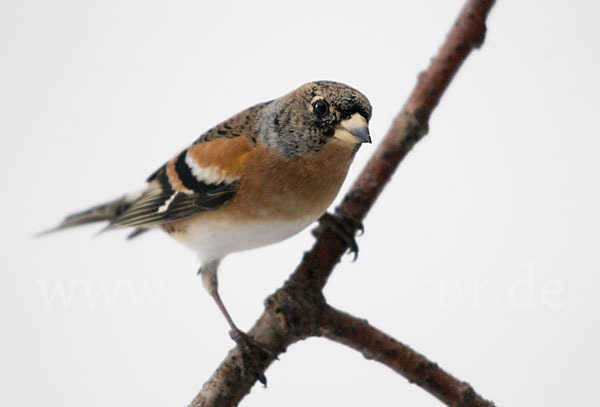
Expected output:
(482, 253)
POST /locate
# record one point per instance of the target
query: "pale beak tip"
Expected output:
(354, 129)
(362, 133)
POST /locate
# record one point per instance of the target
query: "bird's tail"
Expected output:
(106, 212)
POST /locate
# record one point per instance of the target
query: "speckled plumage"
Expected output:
(289, 125)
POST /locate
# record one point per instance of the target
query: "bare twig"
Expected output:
(374, 344)
(298, 309)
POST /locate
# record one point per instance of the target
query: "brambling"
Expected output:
(255, 179)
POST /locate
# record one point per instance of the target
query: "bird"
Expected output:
(258, 178)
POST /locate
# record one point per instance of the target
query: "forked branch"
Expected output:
(298, 309)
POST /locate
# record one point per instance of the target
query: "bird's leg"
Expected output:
(345, 227)
(248, 346)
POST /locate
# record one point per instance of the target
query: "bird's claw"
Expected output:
(252, 352)
(345, 227)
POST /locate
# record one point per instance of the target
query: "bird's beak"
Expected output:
(353, 130)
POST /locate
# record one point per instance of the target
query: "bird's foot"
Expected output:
(345, 227)
(252, 353)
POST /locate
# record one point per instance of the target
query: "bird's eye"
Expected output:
(320, 107)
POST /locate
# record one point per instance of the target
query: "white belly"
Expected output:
(213, 240)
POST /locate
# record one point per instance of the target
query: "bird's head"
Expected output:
(316, 113)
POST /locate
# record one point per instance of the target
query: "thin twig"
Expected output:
(374, 344)
(408, 127)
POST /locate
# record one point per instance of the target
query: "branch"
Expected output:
(298, 309)
(374, 344)
(408, 127)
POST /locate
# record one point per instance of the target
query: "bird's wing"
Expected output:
(203, 177)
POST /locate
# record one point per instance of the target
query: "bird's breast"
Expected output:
(277, 188)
